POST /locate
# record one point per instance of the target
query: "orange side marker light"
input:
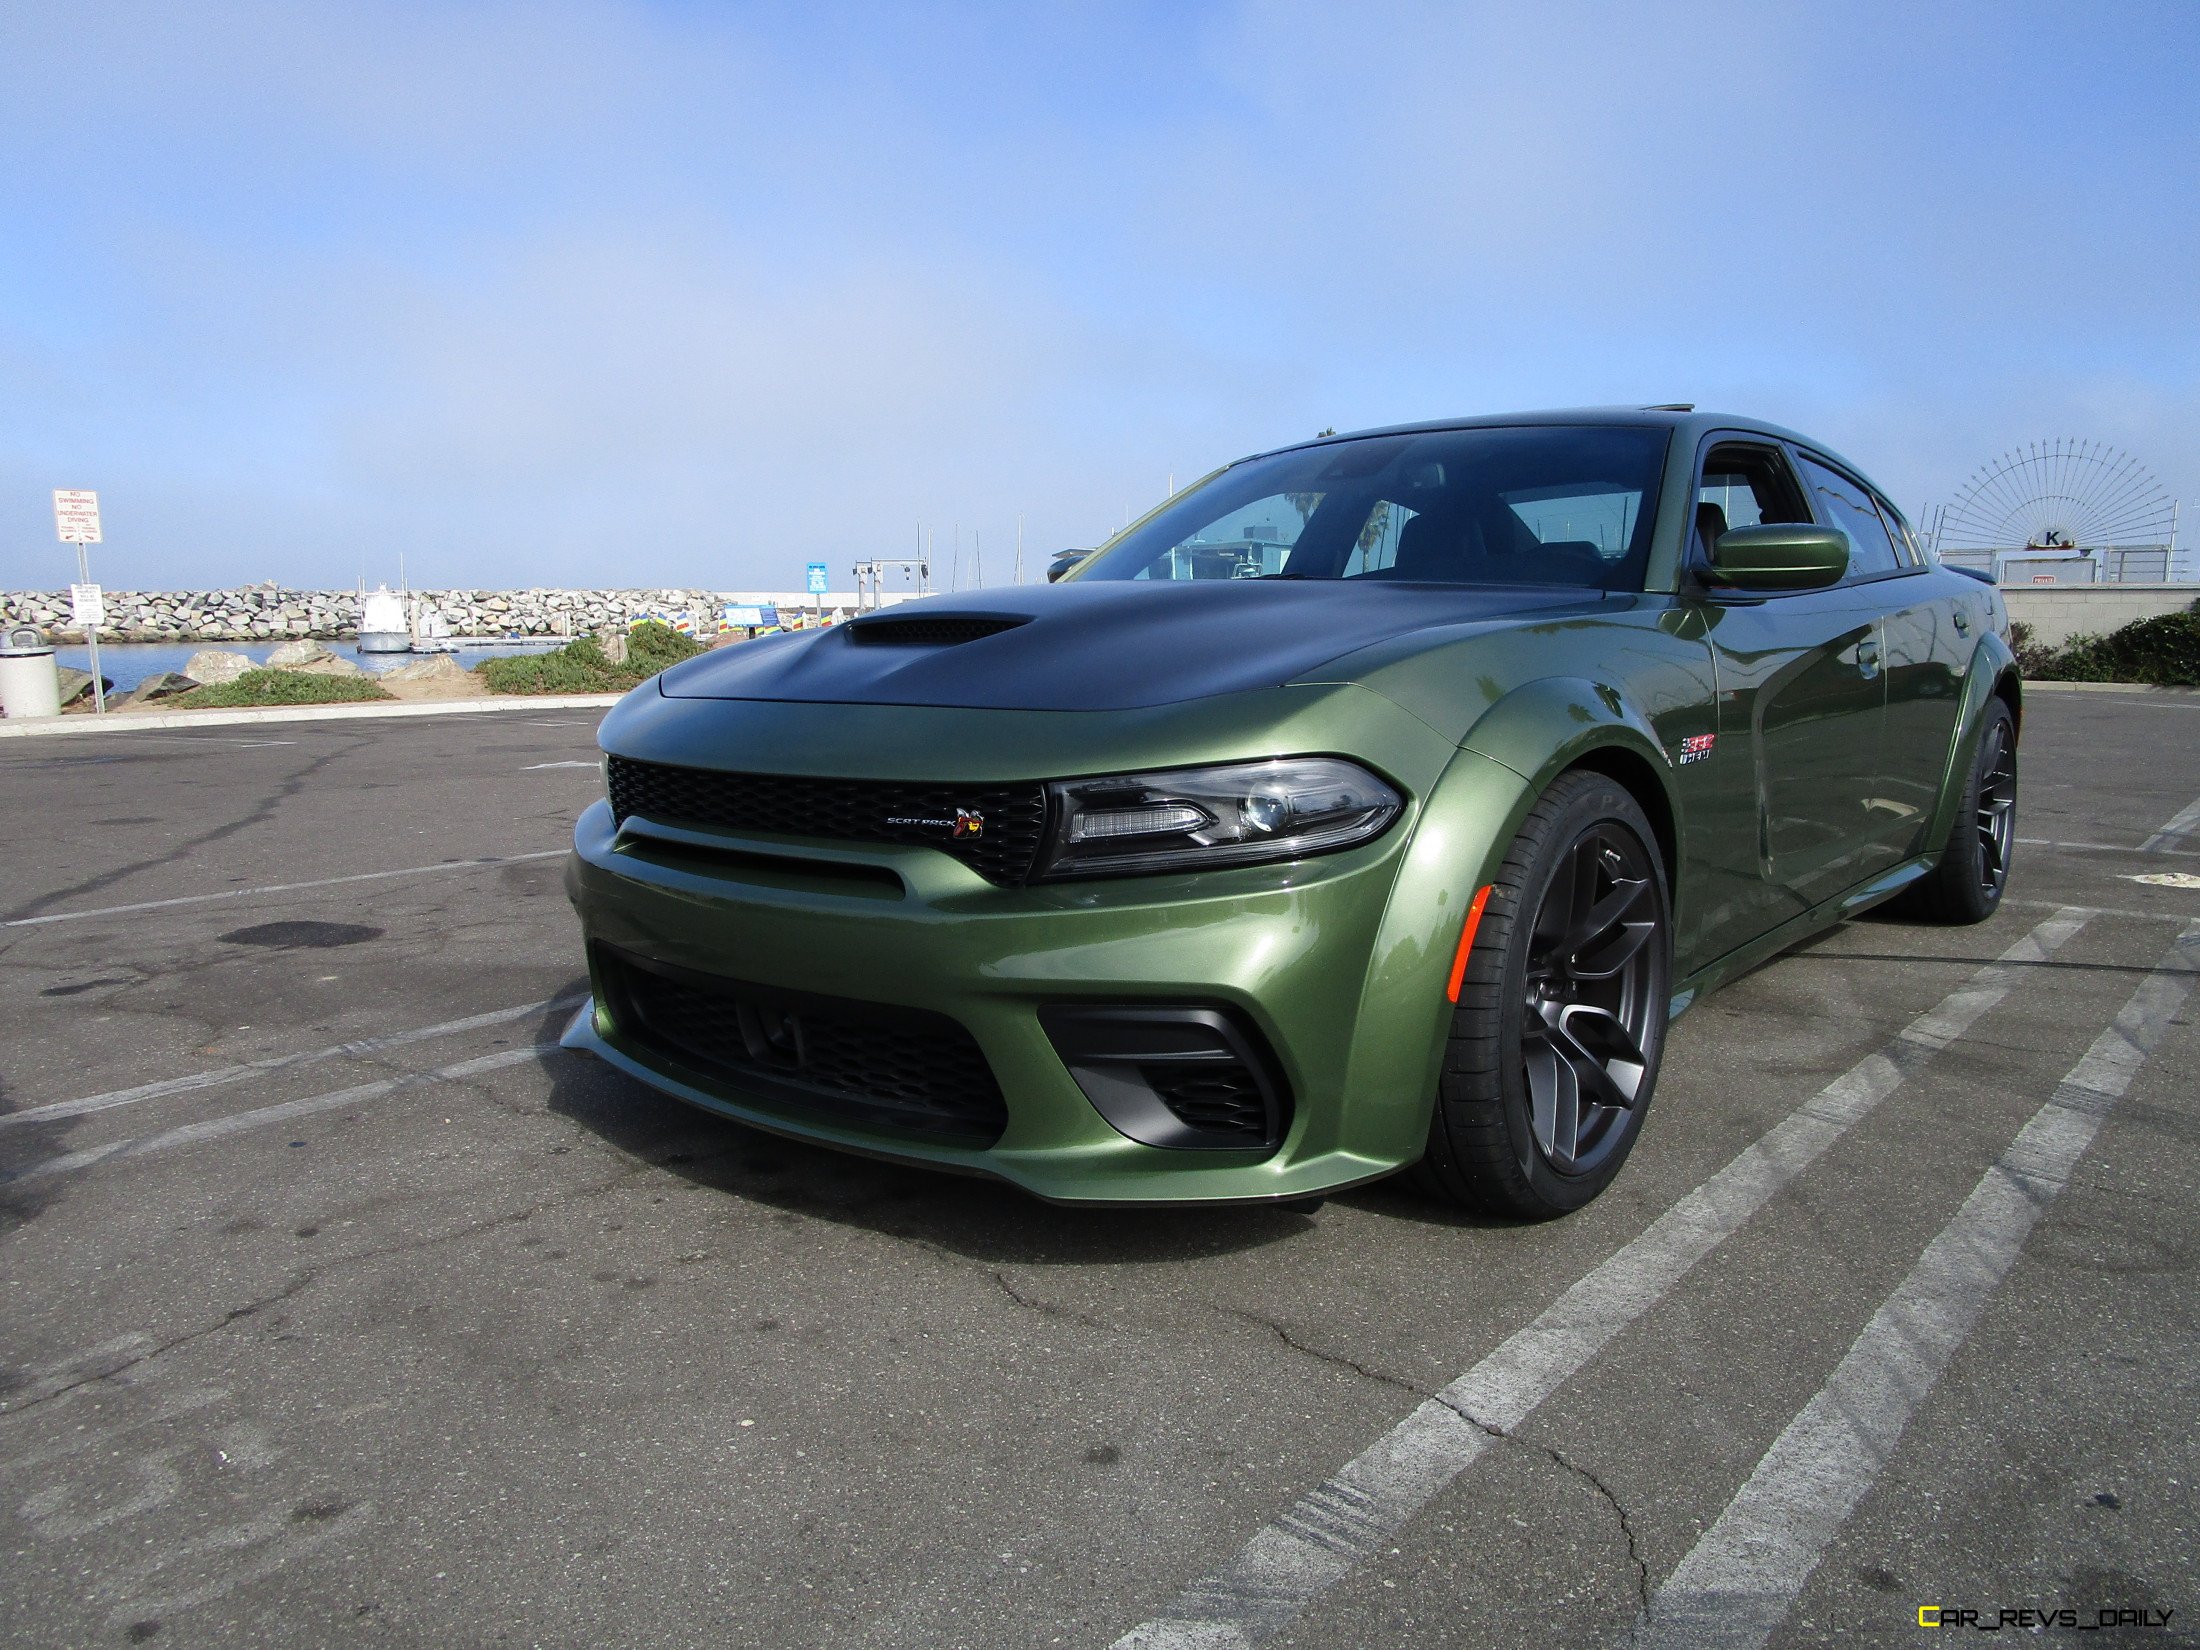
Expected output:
(1466, 943)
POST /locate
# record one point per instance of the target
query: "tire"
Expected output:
(1967, 885)
(1536, 1032)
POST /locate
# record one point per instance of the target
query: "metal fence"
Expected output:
(2110, 564)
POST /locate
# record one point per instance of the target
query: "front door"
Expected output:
(1802, 715)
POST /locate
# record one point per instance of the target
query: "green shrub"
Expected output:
(651, 646)
(2034, 657)
(580, 666)
(280, 687)
(2163, 651)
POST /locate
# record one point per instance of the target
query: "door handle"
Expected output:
(1963, 623)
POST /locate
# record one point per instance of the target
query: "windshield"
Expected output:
(1566, 505)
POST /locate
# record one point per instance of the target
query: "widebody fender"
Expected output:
(1993, 671)
(1462, 834)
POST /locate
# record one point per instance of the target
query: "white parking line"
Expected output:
(1340, 1524)
(192, 1134)
(1743, 1577)
(537, 767)
(2097, 847)
(2174, 832)
(281, 888)
(255, 1068)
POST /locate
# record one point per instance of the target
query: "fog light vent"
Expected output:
(1188, 1078)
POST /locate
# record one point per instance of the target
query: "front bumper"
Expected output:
(1337, 963)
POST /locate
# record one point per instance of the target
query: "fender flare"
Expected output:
(1463, 832)
(1544, 727)
(1993, 668)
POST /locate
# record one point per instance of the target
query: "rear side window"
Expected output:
(1848, 505)
(1906, 547)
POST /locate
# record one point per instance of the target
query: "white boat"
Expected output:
(431, 632)
(382, 627)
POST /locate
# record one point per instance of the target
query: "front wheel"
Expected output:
(1967, 885)
(1554, 1047)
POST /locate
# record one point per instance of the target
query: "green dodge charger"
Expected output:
(1371, 805)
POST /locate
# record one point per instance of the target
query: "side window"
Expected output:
(1848, 505)
(1906, 548)
(1744, 485)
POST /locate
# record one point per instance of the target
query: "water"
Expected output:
(128, 663)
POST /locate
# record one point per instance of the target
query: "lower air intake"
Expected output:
(869, 1064)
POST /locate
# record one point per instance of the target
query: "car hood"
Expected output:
(1113, 645)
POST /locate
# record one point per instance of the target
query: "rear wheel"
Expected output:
(1966, 886)
(1554, 1047)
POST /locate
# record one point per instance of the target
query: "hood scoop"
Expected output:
(932, 630)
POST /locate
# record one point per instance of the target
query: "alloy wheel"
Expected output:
(1589, 998)
(1997, 807)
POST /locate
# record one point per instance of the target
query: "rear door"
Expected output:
(1929, 644)
(1802, 710)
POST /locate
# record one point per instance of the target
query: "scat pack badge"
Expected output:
(1697, 747)
(967, 822)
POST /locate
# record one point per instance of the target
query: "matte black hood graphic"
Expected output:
(1103, 646)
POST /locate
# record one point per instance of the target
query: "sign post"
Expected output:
(818, 576)
(76, 521)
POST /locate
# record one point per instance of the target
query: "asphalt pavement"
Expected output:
(337, 1305)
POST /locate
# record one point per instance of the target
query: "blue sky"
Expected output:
(618, 294)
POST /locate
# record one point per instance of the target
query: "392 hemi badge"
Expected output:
(1696, 747)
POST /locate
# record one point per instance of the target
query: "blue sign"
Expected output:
(817, 578)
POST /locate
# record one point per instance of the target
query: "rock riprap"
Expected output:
(263, 615)
(212, 665)
(309, 658)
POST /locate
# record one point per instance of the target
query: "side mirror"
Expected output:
(1780, 556)
(1063, 561)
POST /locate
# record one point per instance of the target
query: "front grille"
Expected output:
(1220, 1100)
(1009, 820)
(897, 1068)
(947, 630)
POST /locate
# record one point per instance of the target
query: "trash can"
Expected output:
(30, 681)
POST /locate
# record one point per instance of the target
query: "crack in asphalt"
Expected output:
(1619, 1510)
(260, 812)
(1559, 1459)
(112, 1371)
(1337, 1359)
(314, 1274)
(1051, 1309)
(1548, 1452)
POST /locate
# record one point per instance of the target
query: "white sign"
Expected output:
(817, 577)
(87, 606)
(76, 516)
(736, 617)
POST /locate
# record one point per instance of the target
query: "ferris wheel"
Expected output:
(2058, 495)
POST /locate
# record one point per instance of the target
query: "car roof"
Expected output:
(1682, 419)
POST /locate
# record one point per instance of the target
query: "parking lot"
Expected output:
(338, 1305)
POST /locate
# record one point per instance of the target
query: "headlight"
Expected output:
(1238, 814)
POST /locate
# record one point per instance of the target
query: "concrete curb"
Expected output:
(154, 721)
(2031, 686)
